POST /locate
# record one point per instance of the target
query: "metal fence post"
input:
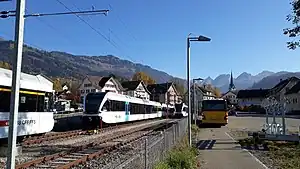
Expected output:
(173, 128)
(146, 152)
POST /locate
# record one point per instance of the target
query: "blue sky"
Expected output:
(246, 35)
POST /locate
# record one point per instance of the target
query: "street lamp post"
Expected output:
(189, 39)
(194, 99)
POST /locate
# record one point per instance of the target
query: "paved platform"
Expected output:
(218, 150)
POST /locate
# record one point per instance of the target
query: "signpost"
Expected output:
(273, 107)
(276, 129)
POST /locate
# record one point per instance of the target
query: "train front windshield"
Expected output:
(178, 107)
(93, 101)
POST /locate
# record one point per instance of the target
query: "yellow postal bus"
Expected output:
(214, 112)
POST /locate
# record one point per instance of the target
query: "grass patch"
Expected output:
(195, 128)
(180, 157)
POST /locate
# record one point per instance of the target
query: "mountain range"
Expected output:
(265, 79)
(61, 64)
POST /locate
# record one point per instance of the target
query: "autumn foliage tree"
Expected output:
(179, 86)
(293, 32)
(57, 85)
(217, 92)
(144, 77)
(5, 65)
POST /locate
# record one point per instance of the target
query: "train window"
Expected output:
(154, 109)
(5, 100)
(31, 104)
(148, 109)
(118, 106)
(40, 103)
(137, 108)
(27, 102)
(172, 110)
(106, 106)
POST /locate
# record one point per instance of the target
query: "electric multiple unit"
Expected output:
(104, 108)
(167, 110)
(181, 110)
(35, 99)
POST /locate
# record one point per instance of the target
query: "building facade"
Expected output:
(164, 93)
(279, 90)
(92, 84)
(136, 89)
(231, 97)
(252, 97)
(292, 98)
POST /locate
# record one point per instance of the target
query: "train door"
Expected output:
(126, 111)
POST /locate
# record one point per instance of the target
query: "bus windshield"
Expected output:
(214, 105)
(93, 101)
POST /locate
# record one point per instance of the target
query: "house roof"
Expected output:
(99, 81)
(202, 89)
(94, 80)
(159, 88)
(132, 85)
(230, 91)
(103, 80)
(277, 88)
(294, 89)
(254, 93)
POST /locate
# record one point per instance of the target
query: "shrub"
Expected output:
(180, 157)
(162, 165)
(194, 128)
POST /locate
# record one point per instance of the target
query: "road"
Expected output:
(256, 123)
(218, 148)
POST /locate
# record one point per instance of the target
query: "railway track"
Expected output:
(31, 141)
(80, 154)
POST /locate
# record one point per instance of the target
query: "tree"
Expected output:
(144, 77)
(294, 18)
(217, 92)
(179, 86)
(118, 78)
(5, 65)
(57, 84)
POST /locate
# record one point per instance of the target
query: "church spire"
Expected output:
(231, 85)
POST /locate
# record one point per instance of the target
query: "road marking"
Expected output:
(256, 159)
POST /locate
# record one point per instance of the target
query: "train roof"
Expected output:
(27, 81)
(121, 97)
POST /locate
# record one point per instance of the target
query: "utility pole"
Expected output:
(16, 73)
(19, 13)
(200, 38)
(189, 92)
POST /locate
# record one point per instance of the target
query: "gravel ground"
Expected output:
(115, 158)
(47, 148)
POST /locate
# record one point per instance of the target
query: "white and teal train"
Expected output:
(104, 108)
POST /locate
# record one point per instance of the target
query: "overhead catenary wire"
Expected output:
(121, 21)
(106, 38)
(84, 21)
(52, 27)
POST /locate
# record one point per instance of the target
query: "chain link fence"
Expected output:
(155, 147)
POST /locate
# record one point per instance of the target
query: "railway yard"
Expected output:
(80, 149)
